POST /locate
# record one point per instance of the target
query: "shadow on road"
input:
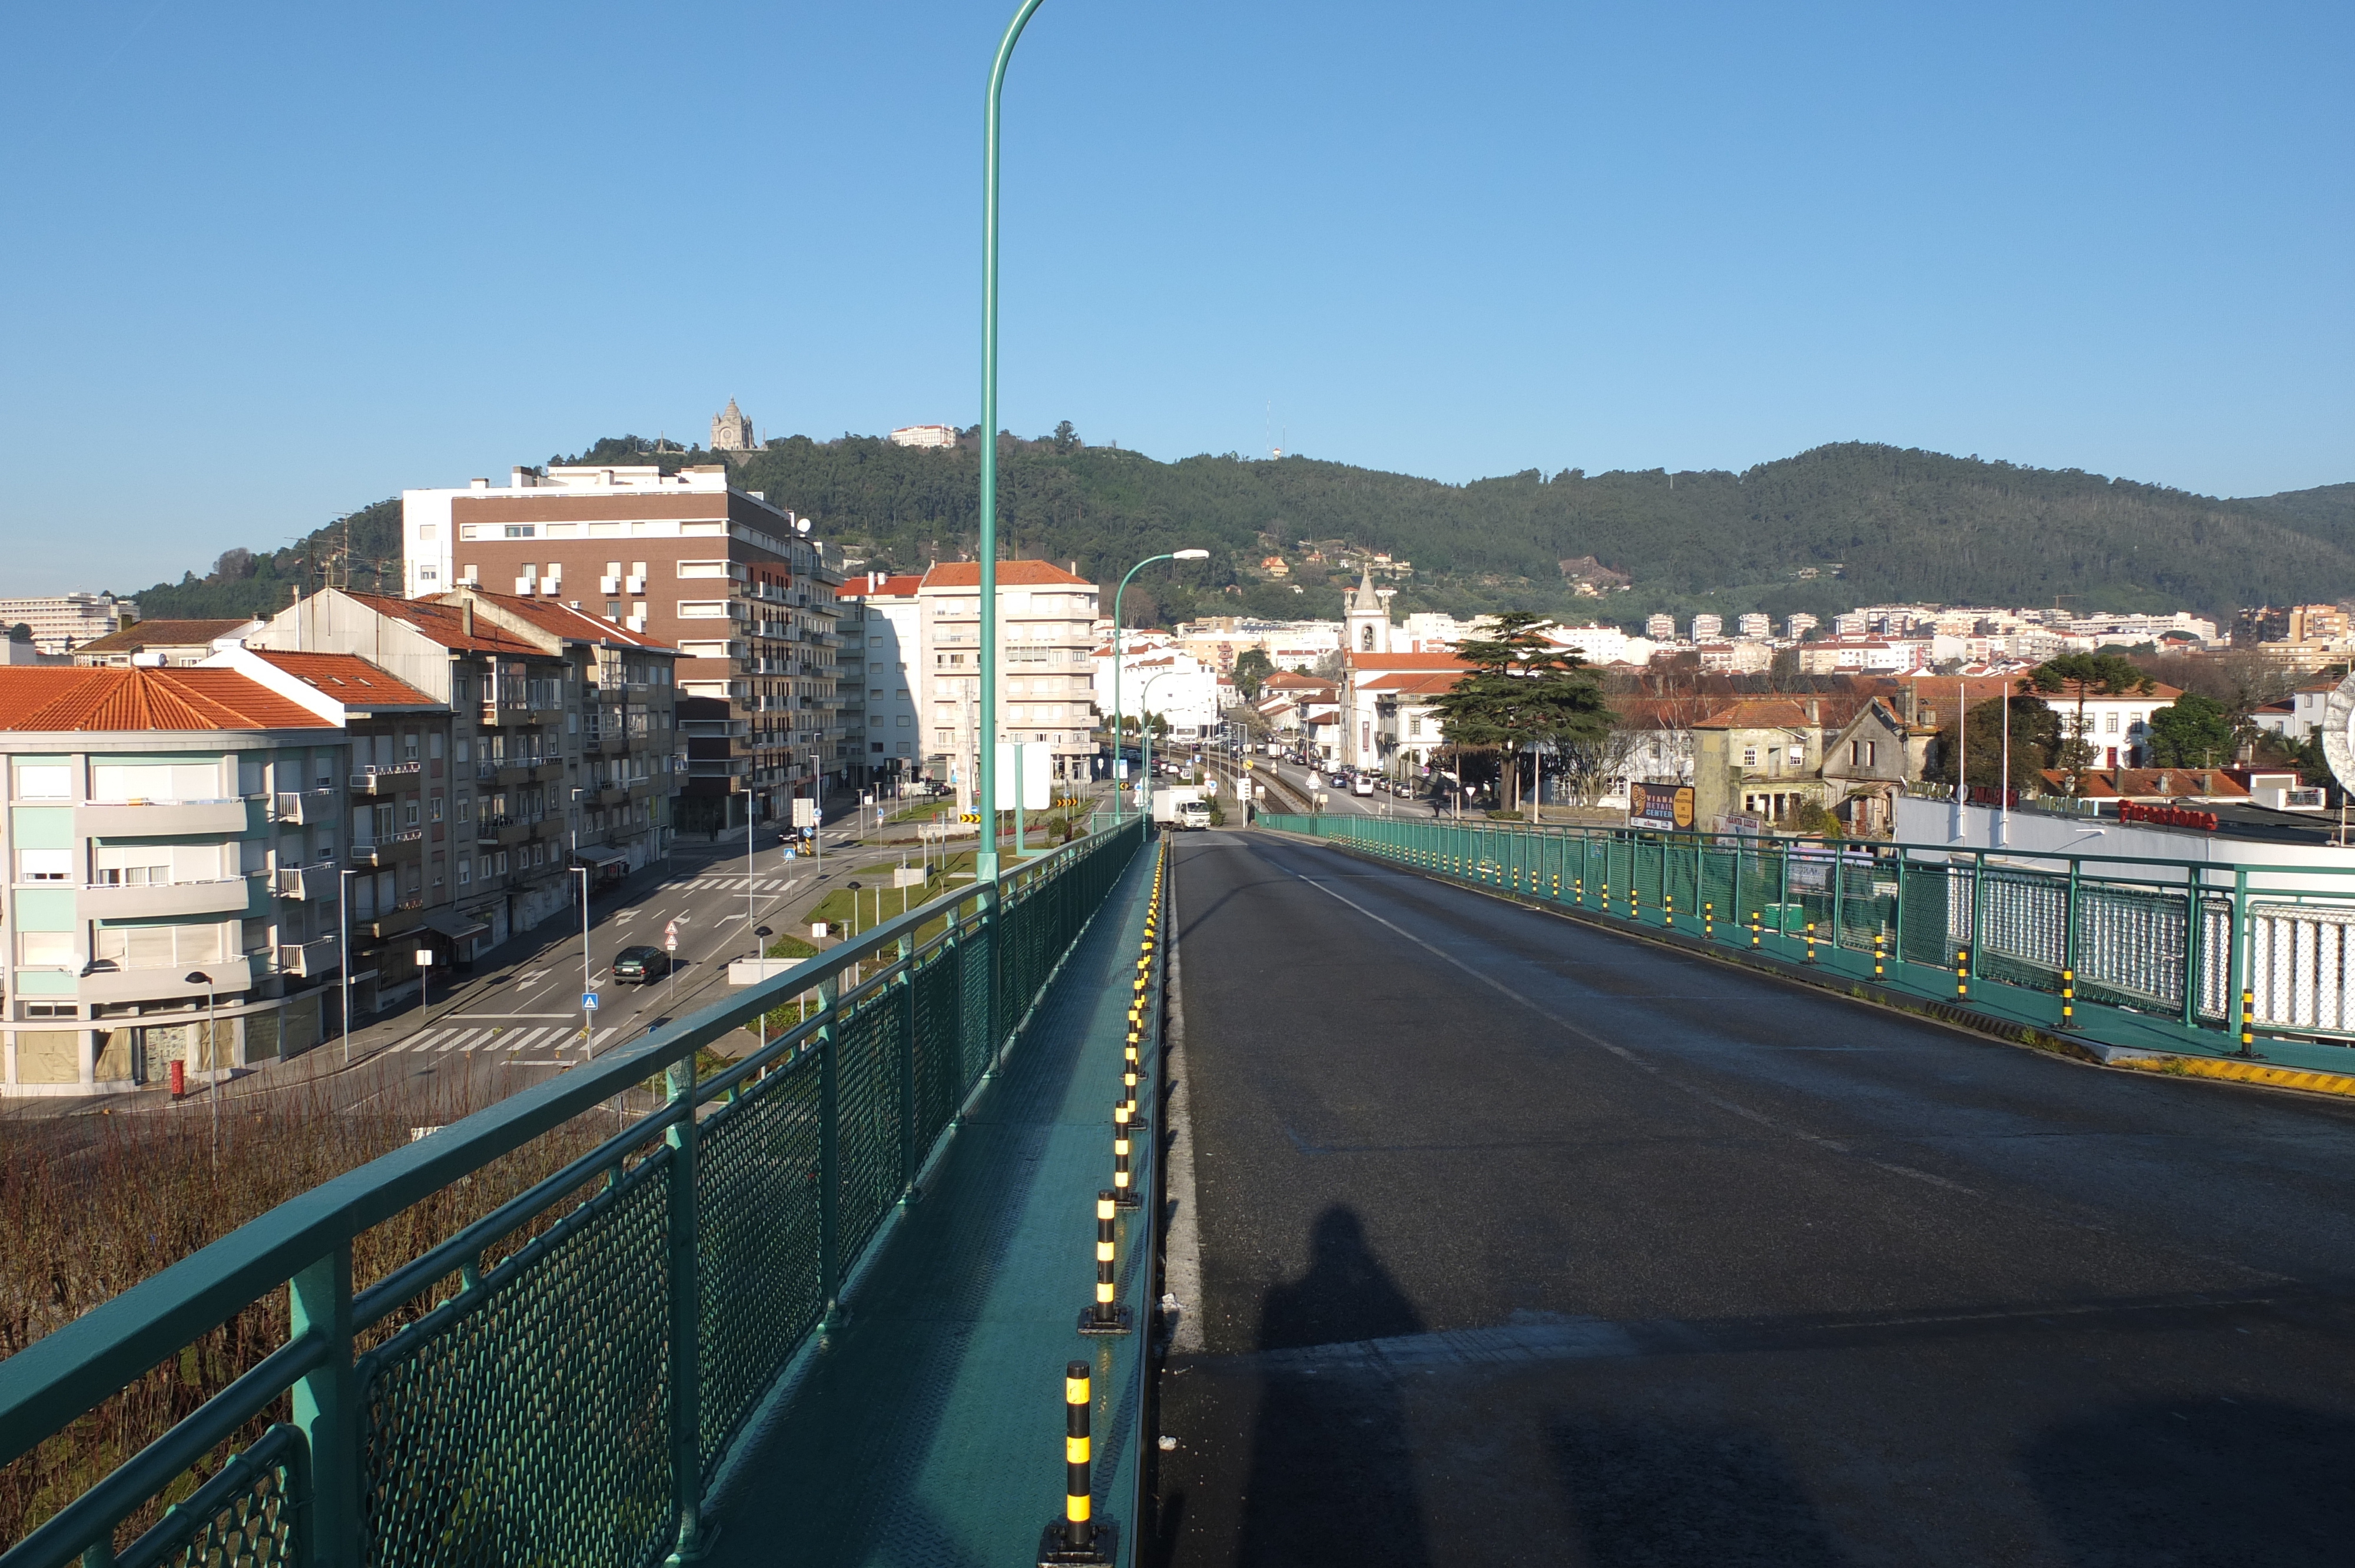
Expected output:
(1650, 1493)
(2198, 1480)
(1332, 1474)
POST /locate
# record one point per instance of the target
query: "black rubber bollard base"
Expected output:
(1123, 1322)
(1098, 1553)
(1128, 1199)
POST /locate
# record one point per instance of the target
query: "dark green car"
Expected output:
(640, 965)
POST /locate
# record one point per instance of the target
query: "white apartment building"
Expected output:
(882, 641)
(1157, 679)
(924, 436)
(1708, 627)
(1600, 644)
(1799, 624)
(62, 622)
(1660, 627)
(1046, 694)
(1754, 625)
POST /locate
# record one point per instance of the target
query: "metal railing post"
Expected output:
(1978, 890)
(2236, 952)
(829, 1149)
(326, 1405)
(686, 1316)
(2195, 936)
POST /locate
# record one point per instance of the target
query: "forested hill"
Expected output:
(1864, 523)
(1824, 531)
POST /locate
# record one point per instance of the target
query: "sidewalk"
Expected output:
(929, 1427)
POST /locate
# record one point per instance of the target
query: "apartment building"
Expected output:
(1046, 694)
(62, 622)
(173, 843)
(731, 581)
(559, 750)
(882, 638)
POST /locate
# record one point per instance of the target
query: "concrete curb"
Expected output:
(2070, 1047)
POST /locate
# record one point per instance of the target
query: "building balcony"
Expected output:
(162, 900)
(717, 767)
(305, 807)
(161, 818)
(384, 778)
(386, 848)
(405, 916)
(498, 833)
(310, 882)
(549, 770)
(106, 984)
(308, 960)
(608, 795)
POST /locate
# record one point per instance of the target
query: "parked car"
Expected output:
(640, 965)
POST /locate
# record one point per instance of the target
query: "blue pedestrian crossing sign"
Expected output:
(588, 1002)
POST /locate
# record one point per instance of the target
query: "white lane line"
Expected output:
(605, 1034)
(422, 1042)
(1624, 1055)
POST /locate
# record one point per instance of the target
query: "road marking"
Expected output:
(531, 977)
(526, 1037)
(464, 1035)
(1631, 1058)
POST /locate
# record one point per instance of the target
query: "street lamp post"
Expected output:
(984, 865)
(588, 1014)
(1116, 648)
(212, 1055)
(343, 952)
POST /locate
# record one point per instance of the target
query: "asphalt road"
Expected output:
(1524, 1243)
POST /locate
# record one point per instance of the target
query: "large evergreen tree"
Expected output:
(1525, 692)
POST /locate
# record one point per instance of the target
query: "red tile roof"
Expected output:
(1371, 661)
(895, 585)
(59, 698)
(1010, 574)
(445, 624)
(560, 620)
(2147, 783)
(161, 634)
(349, 679)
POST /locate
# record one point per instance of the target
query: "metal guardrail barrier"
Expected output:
(559, 1382)
(2174, 939)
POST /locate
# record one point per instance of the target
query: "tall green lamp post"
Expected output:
(1116, 647)
(1144, 753)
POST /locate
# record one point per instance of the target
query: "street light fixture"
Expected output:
(1117, 645)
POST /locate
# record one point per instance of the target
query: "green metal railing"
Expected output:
(567, 1401)
(2173, 939)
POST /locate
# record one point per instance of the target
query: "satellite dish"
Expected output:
(2339, 733)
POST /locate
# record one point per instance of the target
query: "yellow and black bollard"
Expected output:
(1878, 941)
(1124, 1193)
(1755, 914)
(1635, 903)
(1578, 888)
(2068, 998)
(1709, 922)
(1606, 898)
(1811, 942)
(1668, 900)
(2248, 1023)
(1962, 973)
(1076, 1537)
(1106, 1316)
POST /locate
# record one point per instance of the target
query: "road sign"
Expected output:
(968, 816)
(805, 810)
(670, 938)
(589, 1001)
(789, 852)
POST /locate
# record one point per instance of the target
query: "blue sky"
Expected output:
(268, 262)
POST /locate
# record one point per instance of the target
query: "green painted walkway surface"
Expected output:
(928, 1427)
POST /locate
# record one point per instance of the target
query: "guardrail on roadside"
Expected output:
(2178, 940)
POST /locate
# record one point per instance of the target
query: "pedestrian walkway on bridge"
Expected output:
(928, 1427)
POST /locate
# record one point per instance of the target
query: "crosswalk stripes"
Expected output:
(458, 1040)
(527, 1037)
(463, 1039)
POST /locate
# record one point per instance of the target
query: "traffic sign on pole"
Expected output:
(589, 1000)
(670, 938)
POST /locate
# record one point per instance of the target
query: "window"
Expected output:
(2111, 726)
(433, 746)
(521, 531)
(45, 948)
(1748, 756)
(409, 745)
(1414, 727)
(433, 809)
(465, 870)
(409, 813)
(45, 865)
(465, 808)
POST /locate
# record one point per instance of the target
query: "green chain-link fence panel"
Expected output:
(1934, 897)
(867, 1055)
(524, 1422)
(248, 1515)
(940, 1082)
(757, 1175)
(2132, 945)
